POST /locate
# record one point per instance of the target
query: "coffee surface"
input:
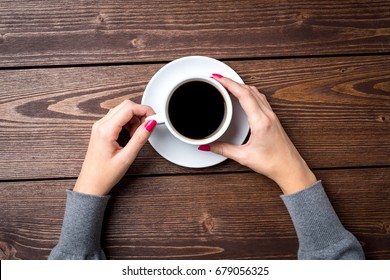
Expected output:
(196, 109)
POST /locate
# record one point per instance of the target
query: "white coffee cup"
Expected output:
(167, 115)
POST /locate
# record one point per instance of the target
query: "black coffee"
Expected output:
(196, 109)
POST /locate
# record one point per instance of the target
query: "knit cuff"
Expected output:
(81, 229)
(315, 221)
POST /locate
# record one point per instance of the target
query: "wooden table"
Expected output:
(324, 66)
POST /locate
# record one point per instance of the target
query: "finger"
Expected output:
(227, 150)
(112, 111)
(254, 103)
(244, 96)
(255, 93)
(133, 125)
(127, 111)
(261, 101)
(232, 86)
(261, 97)
(138, 140)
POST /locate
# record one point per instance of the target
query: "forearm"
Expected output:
(320, 232)
(81, 229)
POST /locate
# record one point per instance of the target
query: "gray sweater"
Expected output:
(320, 232)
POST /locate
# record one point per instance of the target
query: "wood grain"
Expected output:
(56, 32)
(234, 216)
(336, 111)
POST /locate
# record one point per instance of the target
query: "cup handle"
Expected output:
(159, 118)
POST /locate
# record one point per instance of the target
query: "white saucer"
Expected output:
(162, 140)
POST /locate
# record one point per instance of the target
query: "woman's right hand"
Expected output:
(269, 151)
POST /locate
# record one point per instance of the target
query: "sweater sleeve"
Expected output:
(81, 228)
(320, 232)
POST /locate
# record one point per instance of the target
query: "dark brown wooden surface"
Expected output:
(324, 66)
(72, 32)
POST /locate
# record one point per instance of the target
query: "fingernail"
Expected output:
(204, 148)
(216, 76)
(150, 125)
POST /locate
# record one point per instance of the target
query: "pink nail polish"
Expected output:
(150, 125)
(216, 76)
(204, 148)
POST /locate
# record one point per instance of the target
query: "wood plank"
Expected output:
(220, 216)
(336, 110)
(72, 32)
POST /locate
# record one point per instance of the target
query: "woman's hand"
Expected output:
(269, 150)
(106, 161)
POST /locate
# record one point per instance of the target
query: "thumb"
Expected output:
(227, 150)
(138, 140)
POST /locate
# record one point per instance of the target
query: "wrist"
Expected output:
(297, 182)
(295, 177)
(88, 188)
